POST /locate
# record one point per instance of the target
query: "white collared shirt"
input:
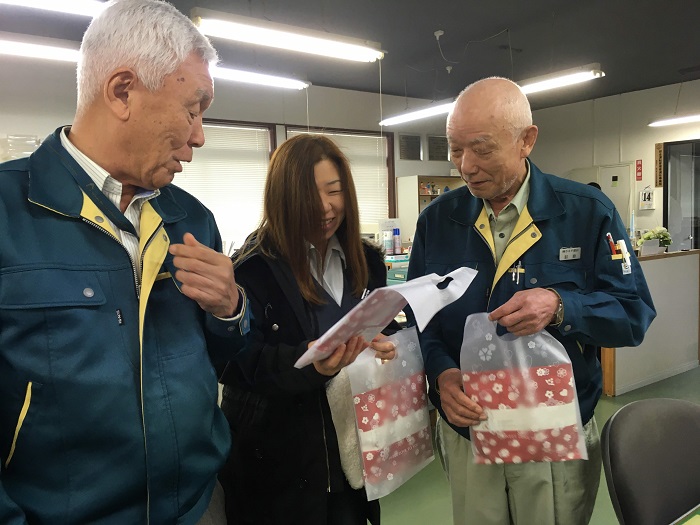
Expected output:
(502, 226)
(112, 189)
(333, 268)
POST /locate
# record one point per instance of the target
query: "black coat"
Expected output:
(285, 451)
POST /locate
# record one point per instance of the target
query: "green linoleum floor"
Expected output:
(425, 499)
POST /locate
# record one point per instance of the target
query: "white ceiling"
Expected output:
(639, 43)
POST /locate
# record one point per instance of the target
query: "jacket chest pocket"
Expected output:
(50, 308)
(553, 275)
(52, 313)
(49, 288)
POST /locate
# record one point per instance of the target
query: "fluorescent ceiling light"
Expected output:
(28, 50)
(561, 79)
(73, 7)
(256, 78)
(65, 54)
(431, 111)
(264, 33)
(534, 85)
(675, 120)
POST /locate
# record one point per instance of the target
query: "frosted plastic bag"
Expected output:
(391, 409)
(526, 387)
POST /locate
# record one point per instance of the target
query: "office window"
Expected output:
(369, 163)
(228, 176)
(681, 211)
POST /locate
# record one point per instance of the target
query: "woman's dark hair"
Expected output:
(292, 212)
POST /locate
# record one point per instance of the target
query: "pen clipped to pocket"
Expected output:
(614, 253)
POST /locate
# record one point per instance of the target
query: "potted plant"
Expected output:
(660, 233)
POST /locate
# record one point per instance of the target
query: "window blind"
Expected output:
(367, 155)
(228, 176)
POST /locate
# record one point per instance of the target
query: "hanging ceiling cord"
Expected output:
(678, 99)
(381, 155)
(308, 124)
(438, 34)
(510, 52)
(435, 83)
(437, 93)
(421, 70)
(553, 47)
(466, 46)
(405, 80)
(405, 91)
(381, 112)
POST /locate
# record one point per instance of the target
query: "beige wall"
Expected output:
(613, 130)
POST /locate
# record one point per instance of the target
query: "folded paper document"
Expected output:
(427, 295)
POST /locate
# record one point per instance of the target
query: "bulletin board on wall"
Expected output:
(659, 165)
(409, 147)
(438, 148)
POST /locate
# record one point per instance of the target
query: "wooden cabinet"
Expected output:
(412, 198)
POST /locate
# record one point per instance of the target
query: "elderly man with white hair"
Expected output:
(511, 222)
(115, 298)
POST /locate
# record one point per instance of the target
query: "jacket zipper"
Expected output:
(137, 281)
(137, 286)
(325, 446)
(143, 420)
(489, 291)
(148, 242)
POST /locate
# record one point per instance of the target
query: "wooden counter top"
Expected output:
(666, 255)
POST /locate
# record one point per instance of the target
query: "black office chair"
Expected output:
(651, 458)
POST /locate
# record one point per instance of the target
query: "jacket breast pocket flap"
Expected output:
(49, 288)
(546, 275)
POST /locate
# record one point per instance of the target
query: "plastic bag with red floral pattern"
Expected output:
(526, 387)
(391, 409)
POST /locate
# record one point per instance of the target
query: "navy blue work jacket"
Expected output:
(603, 306)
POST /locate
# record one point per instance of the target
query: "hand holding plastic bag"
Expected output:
(526, 387)
(391, 407)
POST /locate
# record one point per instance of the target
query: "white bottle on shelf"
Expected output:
(388, 242)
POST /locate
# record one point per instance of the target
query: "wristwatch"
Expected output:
(558, 316)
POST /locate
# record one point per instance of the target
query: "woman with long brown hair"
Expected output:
(295, 456)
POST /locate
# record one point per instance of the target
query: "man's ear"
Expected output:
(119, 92)
(529, 136)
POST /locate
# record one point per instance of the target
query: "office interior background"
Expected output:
(598, 131)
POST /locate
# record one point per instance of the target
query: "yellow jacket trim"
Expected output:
(153, 247)
(91, 212)
(483, 226)
(524, 236)
(20, 421)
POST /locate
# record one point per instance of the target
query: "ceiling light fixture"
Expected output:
(56, 51)
(565, 78)
(257, 78)
(32, 50)
(675, 120)
(440, 108)
(264, 33)
(529, 86)
(90, 8)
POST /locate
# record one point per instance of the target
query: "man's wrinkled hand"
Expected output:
(206, 276)
(459, 409)
(527, 312)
